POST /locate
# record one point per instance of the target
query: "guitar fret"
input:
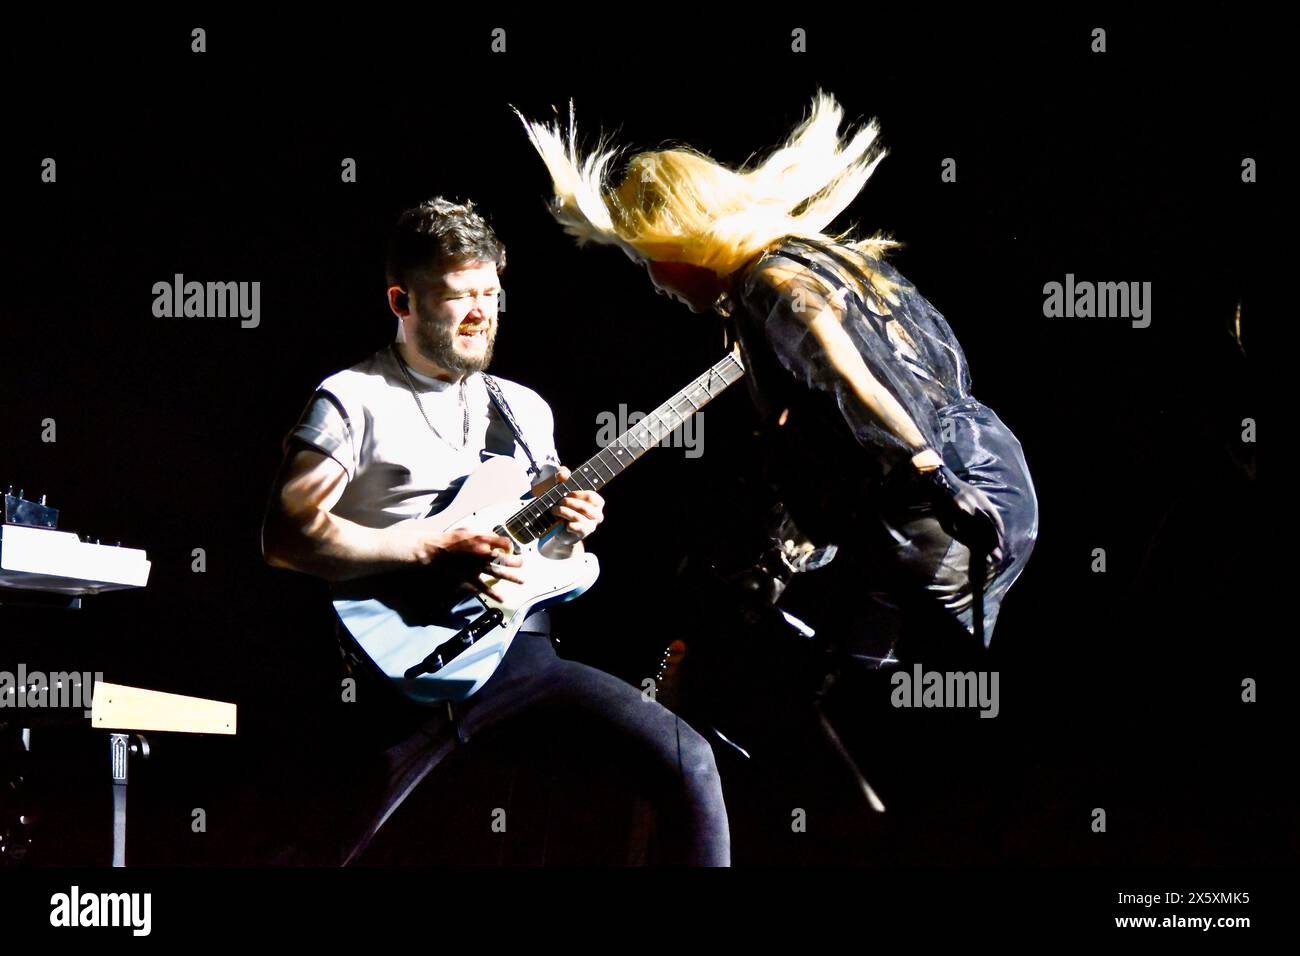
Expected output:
(600, 457)
(660, 422)
(613, 460)
(669, 425)
(681, 419)
(592, 461)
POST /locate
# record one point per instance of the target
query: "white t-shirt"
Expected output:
(367, 420)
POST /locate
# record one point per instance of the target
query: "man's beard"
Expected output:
(437, 343)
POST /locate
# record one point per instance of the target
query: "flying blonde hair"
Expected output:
(680, 205)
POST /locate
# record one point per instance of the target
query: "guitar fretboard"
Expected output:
(535, 520)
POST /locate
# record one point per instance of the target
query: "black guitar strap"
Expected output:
(503, 409)
(538, 621)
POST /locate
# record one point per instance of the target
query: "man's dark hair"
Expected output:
(436, 235)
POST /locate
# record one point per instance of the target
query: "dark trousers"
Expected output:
(390, 747)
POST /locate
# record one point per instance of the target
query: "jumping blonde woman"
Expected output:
(863, 390)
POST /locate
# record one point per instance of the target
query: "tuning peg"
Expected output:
(42, 499)
(20, 492)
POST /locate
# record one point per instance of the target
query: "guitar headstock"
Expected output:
(19, 510)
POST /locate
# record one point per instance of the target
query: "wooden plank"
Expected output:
(118, 707)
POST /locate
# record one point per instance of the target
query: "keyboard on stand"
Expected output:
(42, 565)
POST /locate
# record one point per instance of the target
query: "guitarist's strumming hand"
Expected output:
(580, 510)
(470, 558)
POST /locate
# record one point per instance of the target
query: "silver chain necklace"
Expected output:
(410, 385)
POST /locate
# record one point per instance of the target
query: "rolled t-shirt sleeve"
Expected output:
(325, 426)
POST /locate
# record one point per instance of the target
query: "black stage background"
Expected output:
(1120, 690)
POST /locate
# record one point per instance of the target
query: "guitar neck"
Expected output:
(535, 519)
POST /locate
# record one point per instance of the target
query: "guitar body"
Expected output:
(399, 620)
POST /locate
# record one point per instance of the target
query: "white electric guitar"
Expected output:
(437, 646)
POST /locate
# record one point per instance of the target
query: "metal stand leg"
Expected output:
(121, 747)
(455, 723)
(868, 792)
(15, 819)
(978, 572)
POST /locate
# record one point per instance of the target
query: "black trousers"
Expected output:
(389, 747)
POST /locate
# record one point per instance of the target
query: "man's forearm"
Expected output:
(329, 547)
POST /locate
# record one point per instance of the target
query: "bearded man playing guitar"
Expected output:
(382, 449)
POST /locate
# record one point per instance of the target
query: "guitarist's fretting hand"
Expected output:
(581, 510)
